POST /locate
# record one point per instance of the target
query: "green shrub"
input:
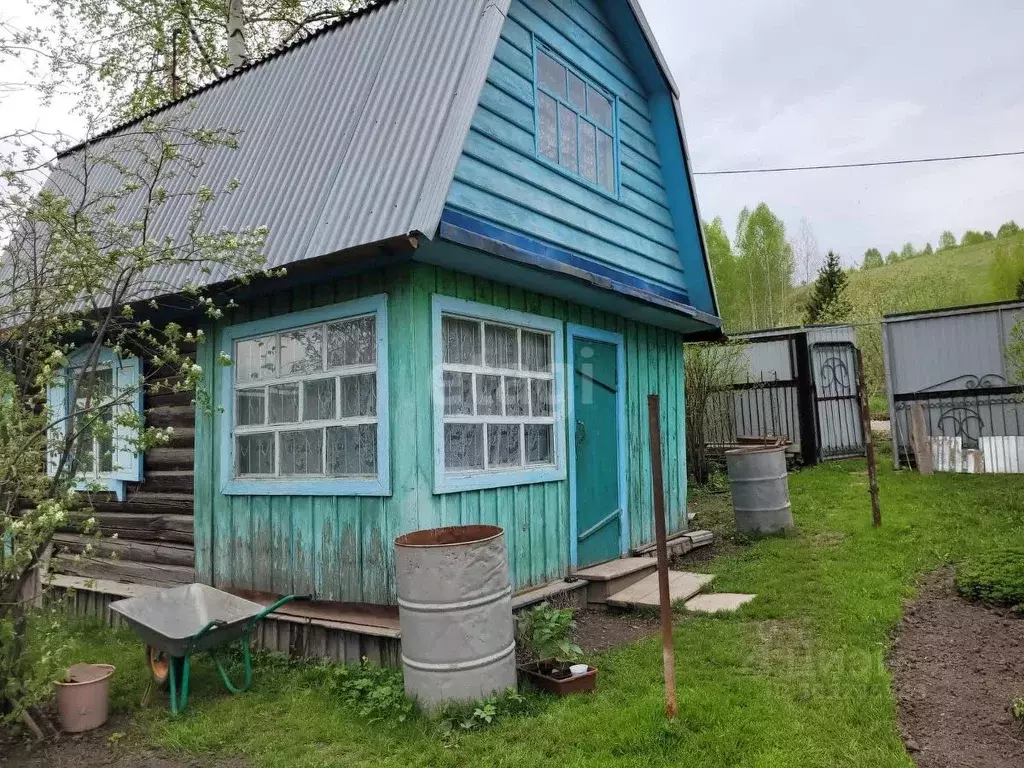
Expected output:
(546, 633)
(376, 693)
(994, 577)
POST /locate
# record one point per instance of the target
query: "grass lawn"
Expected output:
(796, 679)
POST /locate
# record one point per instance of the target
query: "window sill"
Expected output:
(99, 484)
(315, 487)
(453, 483)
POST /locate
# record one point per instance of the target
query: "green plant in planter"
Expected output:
(545, 633)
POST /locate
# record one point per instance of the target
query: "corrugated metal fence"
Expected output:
(951, 390)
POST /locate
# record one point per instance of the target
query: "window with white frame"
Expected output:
(500, 402)
(575, 123)
(91, 397)
(306, 401)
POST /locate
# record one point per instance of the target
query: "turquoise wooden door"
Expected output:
(596, 393)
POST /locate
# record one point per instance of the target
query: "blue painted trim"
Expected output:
(224, 395)
(445, 482)
(574, 332)
(540, 254)
(127, 375)
(540, 45)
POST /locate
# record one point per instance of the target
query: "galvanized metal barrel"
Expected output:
(760, 489)
(455, 611)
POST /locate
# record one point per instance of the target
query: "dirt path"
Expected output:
(957, 668)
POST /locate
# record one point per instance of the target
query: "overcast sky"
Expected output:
(795, 82)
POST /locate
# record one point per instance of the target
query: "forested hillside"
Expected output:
(756, 276)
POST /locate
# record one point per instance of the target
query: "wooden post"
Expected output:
(667, 647)
(869, 444)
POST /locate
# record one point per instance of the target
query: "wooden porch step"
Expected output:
(679, 544)
(644, 593)
(546, 592)
(614, 576)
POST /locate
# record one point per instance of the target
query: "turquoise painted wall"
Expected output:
(339, 548)
(501, 179)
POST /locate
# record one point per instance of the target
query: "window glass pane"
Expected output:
(352, 450)
(488, 395)
(577, 93)
(94, 386)
(599, 108)
(352, 342)
(551, 74)
(256, 359)
(605, 161)
(302, 351)
(567, 138)
(540, 444)
(501, 347)
(284, 403)
(548, 143)
(463, 446)
(536, 352)
(359, 395)
(517, 397)
(249, 406)
(461, 341)
(302, 452)
(255, 454)
(318, 403)
(105, 441)
(458, 393)
(588, 152)
(540, 396)
(503, 445)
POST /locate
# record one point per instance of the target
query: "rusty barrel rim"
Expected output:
(452, 536)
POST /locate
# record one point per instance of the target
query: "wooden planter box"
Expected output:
(560, 686)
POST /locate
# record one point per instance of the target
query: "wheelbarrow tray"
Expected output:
(171, 618)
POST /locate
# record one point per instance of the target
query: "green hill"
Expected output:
(950, 278)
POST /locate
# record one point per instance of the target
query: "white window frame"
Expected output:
(446, 481)
(306, 485)
(126, 378)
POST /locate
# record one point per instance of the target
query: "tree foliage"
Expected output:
(947, 240)
(1008, 229)
(140, 54)
(828, 303)
(765, 267)
(1006, 274)
(907, 252)
(872, 259)
(972, 237)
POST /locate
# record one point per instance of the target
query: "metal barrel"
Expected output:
(760, 489)
(455, 612)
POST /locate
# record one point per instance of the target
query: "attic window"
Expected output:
(575, 123)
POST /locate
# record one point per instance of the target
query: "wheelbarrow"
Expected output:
(176, 623)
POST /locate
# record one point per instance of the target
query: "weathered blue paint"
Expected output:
(666, 123)
(447, 483)
(226, 338)
(538, 253)
(501, 180)
(127, 378)
(582, 333)
(340, 547)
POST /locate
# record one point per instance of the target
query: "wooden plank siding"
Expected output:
(340, 548)
(154, 524)
(501, 179)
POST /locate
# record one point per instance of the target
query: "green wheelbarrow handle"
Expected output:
(179, 700)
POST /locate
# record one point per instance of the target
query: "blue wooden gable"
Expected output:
(634, 230)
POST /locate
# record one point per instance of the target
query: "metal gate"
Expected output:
(837, 399)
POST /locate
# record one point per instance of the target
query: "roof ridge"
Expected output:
(274, 53)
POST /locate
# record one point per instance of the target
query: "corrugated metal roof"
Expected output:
(350, 138)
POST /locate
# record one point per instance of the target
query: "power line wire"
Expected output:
(873, 164)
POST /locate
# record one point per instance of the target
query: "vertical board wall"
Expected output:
(340, 548)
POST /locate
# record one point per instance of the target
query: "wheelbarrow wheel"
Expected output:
(159, 664)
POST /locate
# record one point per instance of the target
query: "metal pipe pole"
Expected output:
(869, 444)
(667, 647)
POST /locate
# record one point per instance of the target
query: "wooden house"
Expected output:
(494, 255)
